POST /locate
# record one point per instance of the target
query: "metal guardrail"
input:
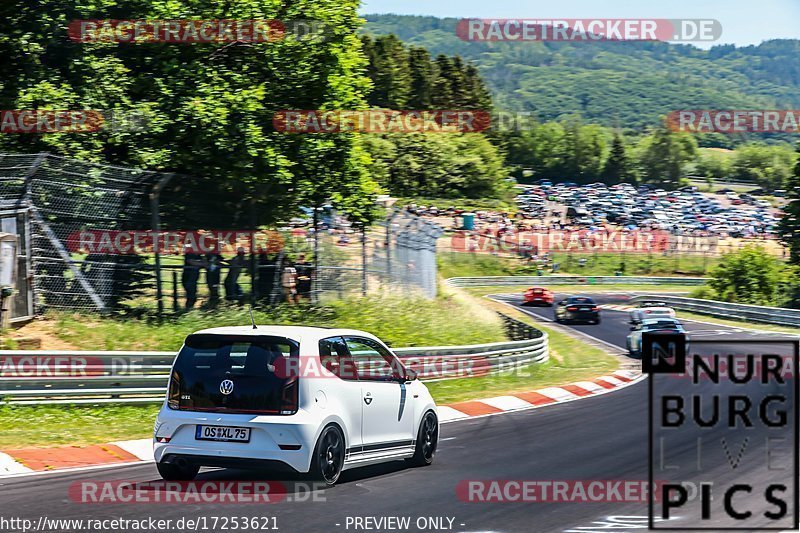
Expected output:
(751, 313)
(93, 377)
(495, 281)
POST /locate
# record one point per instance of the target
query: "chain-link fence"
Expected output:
(96, 242)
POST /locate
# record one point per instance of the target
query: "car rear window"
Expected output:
(581, 300)
(256, 369)
(662, 325)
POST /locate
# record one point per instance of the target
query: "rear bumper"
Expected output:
(588, 316)
(539, 301)
(228, 462)
(268, 434)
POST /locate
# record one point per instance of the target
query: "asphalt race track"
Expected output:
(600, 438)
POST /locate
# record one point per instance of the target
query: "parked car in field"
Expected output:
(538, 296)
(577, 309)
(651, 309)
(305, 399)
(656, 325)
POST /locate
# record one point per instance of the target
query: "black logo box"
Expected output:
(670, 349)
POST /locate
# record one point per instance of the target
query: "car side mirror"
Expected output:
(411, 375)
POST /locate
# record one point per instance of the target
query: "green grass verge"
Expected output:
(570, 360)
(455, 318)
(53, 425)
(407, 321)
(31, 426)
(456, 264)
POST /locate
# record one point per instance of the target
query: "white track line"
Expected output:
(506, 403)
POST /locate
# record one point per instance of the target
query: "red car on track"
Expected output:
(539, 296)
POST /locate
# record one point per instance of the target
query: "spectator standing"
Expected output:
(289, 282)
(213, 275)
(233, 292)
(192, 262)
(305, 275)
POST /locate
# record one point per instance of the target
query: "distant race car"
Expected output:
(651, 309)
(538, 296)
(660, 325)
(577, 308)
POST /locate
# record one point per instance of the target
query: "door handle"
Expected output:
(368, 398)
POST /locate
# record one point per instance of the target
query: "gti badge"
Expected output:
(226, 387)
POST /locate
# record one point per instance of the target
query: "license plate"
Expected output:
(585, 309)
(222, 433)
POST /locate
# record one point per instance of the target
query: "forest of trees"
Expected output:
(409, 78)
(617, 84)
(209, 107)
(585, 153)
(429, 164)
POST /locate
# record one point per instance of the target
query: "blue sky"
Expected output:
(743, 21)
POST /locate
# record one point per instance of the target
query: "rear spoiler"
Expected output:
(653, 303)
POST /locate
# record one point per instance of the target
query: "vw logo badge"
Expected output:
(226, 387)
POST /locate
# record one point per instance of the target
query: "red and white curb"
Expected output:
(29, 461)
(615, 307)
(530, 400)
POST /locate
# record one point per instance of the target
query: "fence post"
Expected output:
(363, 259)
(315, 273)
(155, 217)
(388, 244)
(174, 291)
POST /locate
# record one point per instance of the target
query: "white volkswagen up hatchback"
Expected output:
(314, 400)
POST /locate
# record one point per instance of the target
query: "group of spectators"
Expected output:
(276, 279)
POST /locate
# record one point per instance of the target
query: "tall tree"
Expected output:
(790, 223)
(421, 69)
(479, 95)
(208, 108)
(442, 96)
(392, 74)
(458, 83)
(617, 168)
(663, 156)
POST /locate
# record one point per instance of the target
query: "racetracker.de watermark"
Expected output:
(128, 242)
(401, 121)
(193, 492)
(552, 491)
(425, 366)
(735, 120)
(381, 121)
(589, 30)
(540, 242)
(40, 121)
(185, 31)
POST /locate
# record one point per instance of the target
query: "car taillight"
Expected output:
(162, 439)
(174, 395)
(289, 397)
(572, 308)
(595, 308)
